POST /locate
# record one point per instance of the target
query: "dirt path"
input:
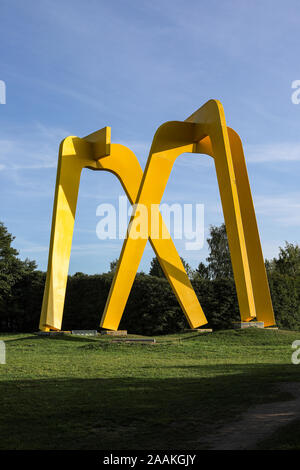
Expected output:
(258, 422)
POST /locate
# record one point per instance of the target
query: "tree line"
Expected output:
(152, 307)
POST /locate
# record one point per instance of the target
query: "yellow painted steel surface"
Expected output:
(203, 132)
(97, 153)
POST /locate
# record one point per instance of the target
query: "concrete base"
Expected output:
(248, 324)
(84, 332)
(114, 333)
(199, 330)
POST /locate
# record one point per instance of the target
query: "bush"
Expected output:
(152, 307)
(20, 311)
(285, 293)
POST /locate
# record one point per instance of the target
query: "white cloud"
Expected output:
(271, 248)
(34, 249)
(261, 153)
(282, 151)
(283, 209)
(77, 250)
(35, 147)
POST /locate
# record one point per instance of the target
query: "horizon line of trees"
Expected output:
(152, 307)
(218, 263)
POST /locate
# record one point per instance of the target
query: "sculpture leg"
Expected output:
(66, 192)
(130, 258)
(152, 187)
(124, 164)
(260, 285)
(174, 271)
(259, 280)
(212, 118)
(235, 231)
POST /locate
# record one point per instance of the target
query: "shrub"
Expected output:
(152, 307)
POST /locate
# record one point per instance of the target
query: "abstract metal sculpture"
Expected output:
(203, 132)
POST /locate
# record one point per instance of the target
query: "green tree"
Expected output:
(202, 272)
(11, 267)
(288, 261)
(219, 261)
(155, 268)
(269, 265)
(113, 266)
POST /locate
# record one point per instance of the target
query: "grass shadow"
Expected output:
(132, 413)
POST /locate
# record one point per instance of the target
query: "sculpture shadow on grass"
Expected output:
(134, 413)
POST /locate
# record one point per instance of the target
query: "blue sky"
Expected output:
(72, 67)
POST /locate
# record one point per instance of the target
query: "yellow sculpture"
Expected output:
(206, 132)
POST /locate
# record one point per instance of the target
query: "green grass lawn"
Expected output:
(88, 393)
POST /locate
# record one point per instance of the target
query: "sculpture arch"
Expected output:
(97, 153)
(205, 131)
